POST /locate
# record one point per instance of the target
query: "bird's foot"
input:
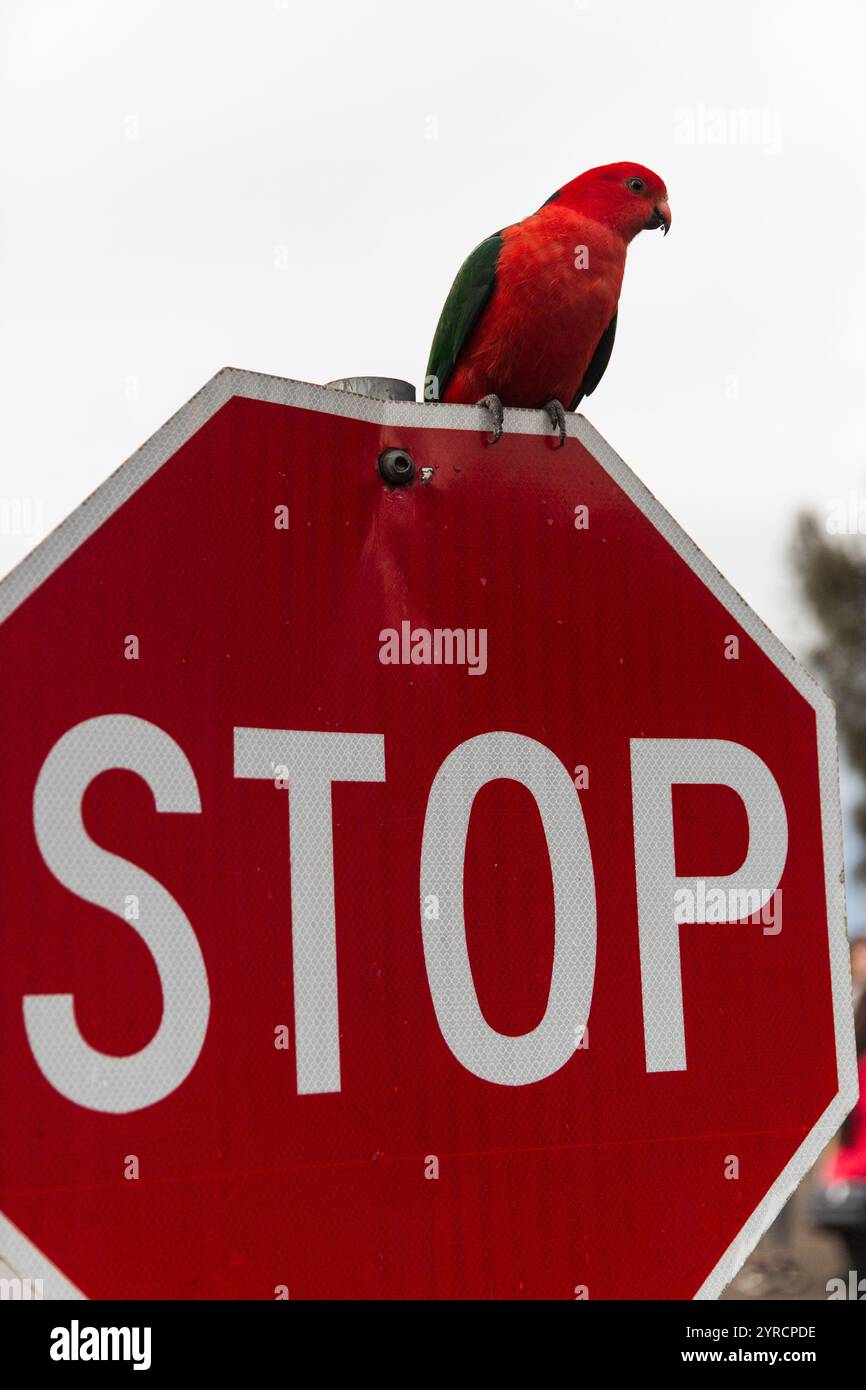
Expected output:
(494, 405)
(556, 415)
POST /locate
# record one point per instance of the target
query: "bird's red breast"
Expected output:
(557, 286)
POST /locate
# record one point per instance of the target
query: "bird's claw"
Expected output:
(494, 405)
(556, 415)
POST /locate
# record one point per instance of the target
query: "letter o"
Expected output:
(498, 1057)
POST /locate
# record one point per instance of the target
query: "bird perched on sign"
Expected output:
(531, 317)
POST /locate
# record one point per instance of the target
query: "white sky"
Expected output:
(291, 187)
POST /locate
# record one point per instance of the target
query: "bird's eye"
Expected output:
(636, 185)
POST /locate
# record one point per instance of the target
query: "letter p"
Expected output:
(658, 764)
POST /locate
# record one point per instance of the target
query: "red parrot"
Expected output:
(531, 317)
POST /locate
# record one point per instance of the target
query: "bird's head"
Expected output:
(626, 197)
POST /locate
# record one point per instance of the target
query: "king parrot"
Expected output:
(531, 317)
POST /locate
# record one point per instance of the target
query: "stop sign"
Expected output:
(408, 891)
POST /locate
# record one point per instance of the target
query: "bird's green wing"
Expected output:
(468, 295)
(598, 364)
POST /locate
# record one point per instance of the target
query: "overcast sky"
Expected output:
(290, 188)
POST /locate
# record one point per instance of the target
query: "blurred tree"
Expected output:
(832, 571)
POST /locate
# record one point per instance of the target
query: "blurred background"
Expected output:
(290, 188)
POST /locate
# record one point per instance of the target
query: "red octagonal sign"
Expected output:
(417, 891)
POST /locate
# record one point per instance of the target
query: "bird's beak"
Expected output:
(661, 217)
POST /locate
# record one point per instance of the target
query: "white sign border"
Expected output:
(24, 1258)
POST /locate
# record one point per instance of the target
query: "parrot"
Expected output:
(531, 317)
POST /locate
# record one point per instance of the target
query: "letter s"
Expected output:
(118, 1085)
